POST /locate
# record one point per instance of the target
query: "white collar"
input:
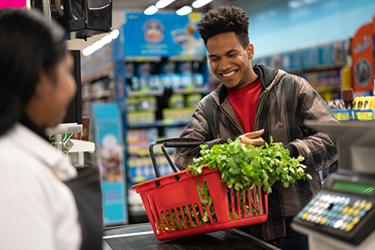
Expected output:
(34, 145)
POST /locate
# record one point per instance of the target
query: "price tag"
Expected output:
(342, 116)
(364, 115)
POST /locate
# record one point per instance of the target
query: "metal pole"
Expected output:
(47, 9)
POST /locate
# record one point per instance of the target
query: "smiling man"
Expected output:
(255, 103)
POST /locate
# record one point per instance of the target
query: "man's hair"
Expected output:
(225, 19)
(29, 43)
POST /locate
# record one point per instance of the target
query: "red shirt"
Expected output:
(244, 103)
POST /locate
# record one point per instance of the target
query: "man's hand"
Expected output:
(253, 138)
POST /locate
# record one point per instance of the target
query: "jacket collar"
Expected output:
(38, 148)
(266, 76)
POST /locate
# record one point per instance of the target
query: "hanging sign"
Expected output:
(164, 35)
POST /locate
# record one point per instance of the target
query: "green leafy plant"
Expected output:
(173, 219)
(206, 201)
(242, 166)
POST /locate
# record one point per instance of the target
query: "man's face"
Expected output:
(229, 61)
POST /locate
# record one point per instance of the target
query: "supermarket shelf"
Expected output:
(99, 64)
(97, 76)
(100, 77)
(186, 58)
(159, 124)
(318, 68)
(185, 91)
(145, 155)
(191, 91)
(104, 94)
(141, 155)
(159, 58)
(142, 59)
(146, 93)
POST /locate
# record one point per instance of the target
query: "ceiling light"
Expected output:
(163, 3)
(152, 9)
(115, 33)
(309, 1)
(295, 4)
(184, 10)
(100, 43)
(199, 3)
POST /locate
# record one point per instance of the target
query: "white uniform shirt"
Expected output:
(37, 211)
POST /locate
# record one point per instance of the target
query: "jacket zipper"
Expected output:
(265, 96)
(230, 118)
(260, 108)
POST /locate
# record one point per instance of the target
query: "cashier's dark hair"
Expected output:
(225, 19)
(29, 44)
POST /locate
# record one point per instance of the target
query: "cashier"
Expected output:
(38, 211)
(255, 102)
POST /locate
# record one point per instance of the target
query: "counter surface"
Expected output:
(141, 236)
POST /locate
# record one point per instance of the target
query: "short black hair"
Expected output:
(29, 43)
(225, 19)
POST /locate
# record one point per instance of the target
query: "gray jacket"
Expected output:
(285, 102)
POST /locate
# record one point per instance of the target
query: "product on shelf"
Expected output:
(178, 114)
(140, 169)
(139, 103)
(346, 75)
(139, 140)
(97, 65)
(164, 74)
(193, 100)
(135, 202)
(139, 164)
(320, 65)
(173, 132)
(162, 81)
(176, 101)
(141, 117)
(348, 98)
(97, 72)
(327, 83)
(361, 108)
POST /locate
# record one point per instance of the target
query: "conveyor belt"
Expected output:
(141, 237)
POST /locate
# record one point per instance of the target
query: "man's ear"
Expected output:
(250, 50)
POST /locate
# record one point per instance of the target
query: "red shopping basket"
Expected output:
(182, 204)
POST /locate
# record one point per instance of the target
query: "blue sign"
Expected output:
(164, 34)
(110, 158)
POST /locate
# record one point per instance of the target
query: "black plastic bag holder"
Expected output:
(170, 143)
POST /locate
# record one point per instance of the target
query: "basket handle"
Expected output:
(170, 143)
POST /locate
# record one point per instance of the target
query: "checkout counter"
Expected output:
(342, 215)
(141, 237)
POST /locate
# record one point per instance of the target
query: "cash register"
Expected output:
(342, 215)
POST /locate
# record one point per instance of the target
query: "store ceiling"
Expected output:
(119, 6)
(143, 4)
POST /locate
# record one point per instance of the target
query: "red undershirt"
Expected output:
(244, 103)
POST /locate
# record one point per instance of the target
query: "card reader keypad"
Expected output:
(335, 211)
